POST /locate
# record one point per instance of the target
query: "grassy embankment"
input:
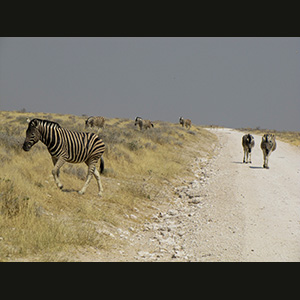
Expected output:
(40, 222)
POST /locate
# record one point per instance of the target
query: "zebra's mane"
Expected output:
(47, 122)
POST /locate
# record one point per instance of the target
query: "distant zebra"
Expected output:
(67, 146)
(268, 145)
(143, 123)
(95, 122)
(185, 122)
(247, 143)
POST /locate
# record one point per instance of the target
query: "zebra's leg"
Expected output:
(58, 163)
(267, 161)
(266, 158)
(246, 155)
(97, 176)
(250, 157)
(91, 167)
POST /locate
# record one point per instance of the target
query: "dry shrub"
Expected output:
(10, 204)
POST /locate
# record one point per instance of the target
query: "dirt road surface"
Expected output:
(268, 200)
(226, 210)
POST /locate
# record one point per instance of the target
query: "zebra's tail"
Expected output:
(101, 165)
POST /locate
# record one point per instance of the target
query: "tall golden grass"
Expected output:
(39, 222)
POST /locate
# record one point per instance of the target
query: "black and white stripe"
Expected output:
(67, 146)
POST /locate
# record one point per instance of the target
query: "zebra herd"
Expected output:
(75, 147)
(268, 145)
(71, 146)
(143, 124)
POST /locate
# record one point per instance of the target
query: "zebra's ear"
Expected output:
(34, 123)
(28, 120)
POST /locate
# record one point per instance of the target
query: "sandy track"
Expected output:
(225, 211)
(268, 200)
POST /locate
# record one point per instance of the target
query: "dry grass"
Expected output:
(291, 137)
(40, 222)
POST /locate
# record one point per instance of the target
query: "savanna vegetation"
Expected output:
(39, 222)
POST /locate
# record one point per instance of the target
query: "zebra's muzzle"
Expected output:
(26, 146)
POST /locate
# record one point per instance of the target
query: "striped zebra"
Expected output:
(67, 146)
(143, 123)
(247, 143)
(185, 122)
(95, 122)
(268, 145)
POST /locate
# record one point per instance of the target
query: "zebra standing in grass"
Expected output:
(247, 143)
(95, 122)
(268, 145)
(67, 146)
(185, 122)
(143, 123)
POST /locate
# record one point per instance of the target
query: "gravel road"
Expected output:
(226, 211)
(267, 201)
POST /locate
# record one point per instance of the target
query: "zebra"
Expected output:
(268, 145)
(185, 122)
(67, 146)
(143, 123)
(247, 143)
(95, 122)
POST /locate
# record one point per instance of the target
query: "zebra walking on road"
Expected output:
(268, 145)
(247, 143)
(67, 146)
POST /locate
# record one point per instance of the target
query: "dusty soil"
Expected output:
(225, 211)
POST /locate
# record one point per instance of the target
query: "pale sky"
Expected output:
(227, 81)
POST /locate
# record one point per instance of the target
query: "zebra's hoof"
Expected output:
(80, 192)
(100, 194)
